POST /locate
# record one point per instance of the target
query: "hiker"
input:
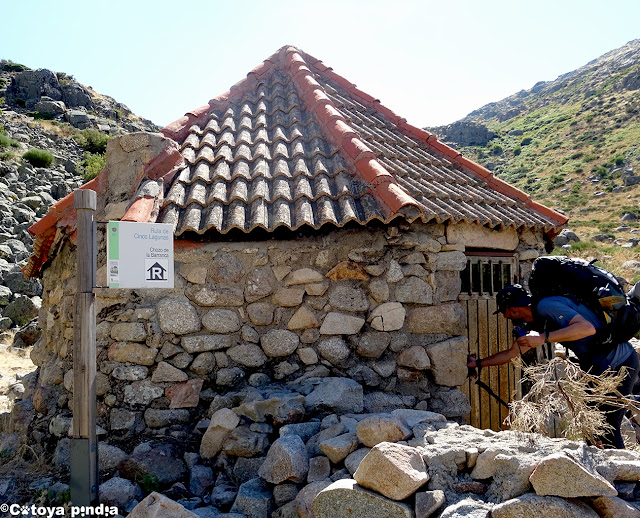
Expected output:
(560, 319)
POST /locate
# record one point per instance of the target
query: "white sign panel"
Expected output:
(139, 255)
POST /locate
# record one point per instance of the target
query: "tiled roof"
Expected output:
(295, 144)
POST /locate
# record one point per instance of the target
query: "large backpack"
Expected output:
(592, 286)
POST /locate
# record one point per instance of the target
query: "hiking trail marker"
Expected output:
(139, 255)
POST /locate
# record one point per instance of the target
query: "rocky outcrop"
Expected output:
(60, 97)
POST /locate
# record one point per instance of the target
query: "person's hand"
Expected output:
(531, 340)
(471, 362)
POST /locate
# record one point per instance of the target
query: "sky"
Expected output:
(431, 62)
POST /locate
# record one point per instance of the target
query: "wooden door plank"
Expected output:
(472, 313)
(494, 372)
(483, 352)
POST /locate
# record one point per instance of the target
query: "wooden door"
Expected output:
(488, 334)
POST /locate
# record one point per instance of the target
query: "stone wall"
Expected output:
(377, 306)
(257, 337)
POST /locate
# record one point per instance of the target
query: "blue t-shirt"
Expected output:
(559, 311)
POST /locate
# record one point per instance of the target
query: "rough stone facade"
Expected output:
(261, 339)
(377, 306)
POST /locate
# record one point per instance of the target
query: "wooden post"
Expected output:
(84, 445)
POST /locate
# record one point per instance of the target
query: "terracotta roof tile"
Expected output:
(296, 144)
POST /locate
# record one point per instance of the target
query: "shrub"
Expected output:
(92, 165)
(526, 141)
(64, 79)
(10, 66)
(92, 140)
(517, 150)
(38, 157)
(497, 149)
(6, 141)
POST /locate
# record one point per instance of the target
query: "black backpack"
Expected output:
(592, 286)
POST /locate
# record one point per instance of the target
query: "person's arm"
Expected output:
(578, 328)
(503, 356)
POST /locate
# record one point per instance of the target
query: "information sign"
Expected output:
(139, 255)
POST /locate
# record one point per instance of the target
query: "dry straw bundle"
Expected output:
(566, 401)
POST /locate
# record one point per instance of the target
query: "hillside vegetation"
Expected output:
(574, 145)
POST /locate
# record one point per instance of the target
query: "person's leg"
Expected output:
(614, 415)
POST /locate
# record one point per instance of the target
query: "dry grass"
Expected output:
(564, 400)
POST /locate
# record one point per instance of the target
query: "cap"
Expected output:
(513, 296)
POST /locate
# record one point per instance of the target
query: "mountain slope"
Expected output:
(572, 143)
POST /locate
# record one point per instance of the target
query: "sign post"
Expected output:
(139, 255)
(84, 445)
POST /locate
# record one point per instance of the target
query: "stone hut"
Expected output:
(329, 258)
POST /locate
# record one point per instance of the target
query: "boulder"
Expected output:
(215, 296)
(249, 355)
(413, 290)
(346, 498)
(177, 316)
(222, 423)
(614, 507)
(334, 350)
(374, 430)
(118, 492)
(303, 318)
(336, 395)
(305, 497)
(468, 508)
(279, 342)
(288, 297)
(287, 460)
(159, 418)
(339, 447)
(389, 316)
(414, 357)
(132, 352)
(534, 506)
(200, 480)
(129, 332)
(428, 502)
(186, 394)
(165, 372)
(448, 361)
(303, 276)
(159, 462)
(159, 506)
(340, 324)
(253, 500)
(142, 392)
(221, 321)
(473, 235)
(259, 283)
(393, 470)
(442, 319)
(202, 343)
(345, 297)
(225, 268)
(559, 475)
